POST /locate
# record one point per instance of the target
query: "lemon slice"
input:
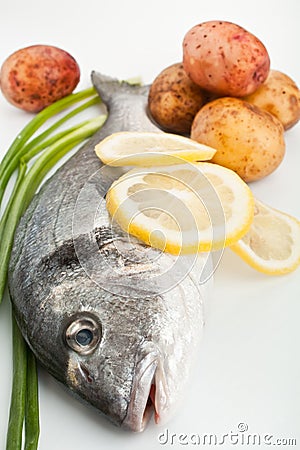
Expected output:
(272, 244)
(146, 149)
(182, 208)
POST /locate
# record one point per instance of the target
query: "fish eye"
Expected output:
(84, 337)
(83, 334)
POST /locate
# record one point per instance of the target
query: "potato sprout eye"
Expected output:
(83, 333)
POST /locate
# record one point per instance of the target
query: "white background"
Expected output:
(248, 366)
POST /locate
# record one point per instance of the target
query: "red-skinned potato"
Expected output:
(224, 58)
(36, 76)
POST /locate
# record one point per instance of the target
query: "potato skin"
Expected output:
(248, 140)
(224, 58)
(280, 96)
(36, 76)
(174, 99)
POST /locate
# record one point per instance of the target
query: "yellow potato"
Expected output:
(174, 99)
(248, 140)
(280, 96)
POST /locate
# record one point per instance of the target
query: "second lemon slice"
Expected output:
(184, 208)
(272, 244)
(147, 149)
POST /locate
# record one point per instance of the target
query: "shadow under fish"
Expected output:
(115, 321)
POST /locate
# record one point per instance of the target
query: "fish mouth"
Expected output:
(148, 395)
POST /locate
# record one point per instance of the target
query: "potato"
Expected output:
(224, 58)
(174, 99)
(248, 140)
(280, 96)
(36, 76)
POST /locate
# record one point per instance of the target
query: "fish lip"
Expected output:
(140, 409)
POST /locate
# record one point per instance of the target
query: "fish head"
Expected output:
(128, 355)
(121, 338)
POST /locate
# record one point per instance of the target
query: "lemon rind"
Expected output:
(250, 257)
(192, 151)
(143, 233)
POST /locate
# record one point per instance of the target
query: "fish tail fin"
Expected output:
(107, 87)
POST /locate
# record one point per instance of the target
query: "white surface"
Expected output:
(248, 368)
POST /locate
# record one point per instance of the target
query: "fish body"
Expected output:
(115, 321)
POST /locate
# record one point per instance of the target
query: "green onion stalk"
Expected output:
(17, 147)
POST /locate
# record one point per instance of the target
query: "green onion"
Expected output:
(24, 399)
(21, 174)
(34, 125)
(9, 165)
(32, 425)
(17, 405)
